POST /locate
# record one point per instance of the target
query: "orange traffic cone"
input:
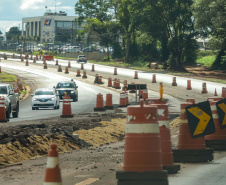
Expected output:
(174, 81)
(115, 71)
(45, 66)
(190, 149)
(84, 74)
(69, 64)
(204, 90)
(223, 92)
(108, 103)
(34, 60)
(99, 81)
(136, 75)
(66, 70)
(142, 156)
(189, 85)
(2, 110)
(36, 56)
(93, 68)
(59, 68)
(56, 63)
(109, 82)
(215, 94)
(96, 78)
(99, 103)
(22, 59)
(191, 100)
(31, 57)
(217, 140)
(78, 73)
(53, 174)
(82, 67)
(66, 111)
(15, 88)
(117, 84)
(26, 64)
(154, 78)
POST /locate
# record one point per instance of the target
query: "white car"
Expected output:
(45, 98)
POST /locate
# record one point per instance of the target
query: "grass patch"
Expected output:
(207, 60)
(4, 77)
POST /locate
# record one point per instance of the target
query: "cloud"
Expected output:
(6, 25)
(32, 4)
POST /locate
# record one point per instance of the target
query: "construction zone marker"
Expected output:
(2, 110)
(53, 174)
(66, 111)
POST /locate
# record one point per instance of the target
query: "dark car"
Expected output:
(68, 87)
(82, 58)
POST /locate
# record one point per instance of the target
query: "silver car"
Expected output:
(45, 98)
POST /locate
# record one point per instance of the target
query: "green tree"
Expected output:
(13, 31)
(210, 20)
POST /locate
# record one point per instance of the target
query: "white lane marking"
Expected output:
(88, 181)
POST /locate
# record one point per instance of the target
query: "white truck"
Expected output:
(11, 100)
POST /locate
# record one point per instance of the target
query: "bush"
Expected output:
(203, 53)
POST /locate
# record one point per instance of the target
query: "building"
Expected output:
(52, 27)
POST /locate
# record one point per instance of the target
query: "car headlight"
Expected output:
(52, 98)
(34, 99)
(72, 91)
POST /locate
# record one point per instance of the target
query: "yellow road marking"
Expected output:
(88, 181)
(203, 119)
(223, 108)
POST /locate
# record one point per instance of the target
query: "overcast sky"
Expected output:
(12, 11)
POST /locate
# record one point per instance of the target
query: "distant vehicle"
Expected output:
(11, 100)
(82, 58)
(87, 49)
(45, 98)
(68, 87)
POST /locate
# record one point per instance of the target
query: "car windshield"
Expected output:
(3, 90)
(65, 85)
(44, 93)
(81, 56)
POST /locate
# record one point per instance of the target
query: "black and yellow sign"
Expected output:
(200, 119)
(221, 109)
(137, 86)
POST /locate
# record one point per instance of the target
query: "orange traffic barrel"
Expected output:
(174, 83)
(223, 94)
(34, 60)
(154, 78)
(66, 70)
(40, 56)
(204, 89)
(115, 71)
(22, 59)
(109, 82)
(142, 140)
(59, 68)
(96, 78)
(190, 149)
(108, 103)
(2, 110)
(26, 64)
(78, 73)
(31, 57)
(93, 68)
(36, 56)
(45, 66)
(189, 85)
(66, 111)
(82, 67)
(56, 62)
(217, 140)
(13, 56)
(114, 83)
(99, 81)
(117, 84)
(135, 75)
(100, 103)
(53, 174)
(84, 74)
(122, 100)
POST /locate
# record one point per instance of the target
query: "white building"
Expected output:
(52, 27)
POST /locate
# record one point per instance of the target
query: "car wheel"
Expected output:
(8, 112)
(16, 114)
(58, 106)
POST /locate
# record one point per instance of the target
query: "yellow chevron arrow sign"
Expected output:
(223, 108)
(203, 119)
